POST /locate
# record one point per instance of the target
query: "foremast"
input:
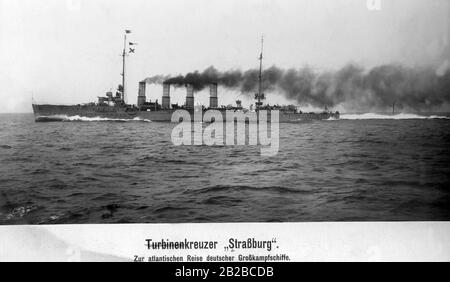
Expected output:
(123, 64)
(124, 55)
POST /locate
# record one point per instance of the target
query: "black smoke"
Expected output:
(418, 88)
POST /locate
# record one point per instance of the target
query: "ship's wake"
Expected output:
(78, 118)
(401, 116)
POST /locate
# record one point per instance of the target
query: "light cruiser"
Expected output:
(113, 106)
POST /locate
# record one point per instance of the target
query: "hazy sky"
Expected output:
(69, 51)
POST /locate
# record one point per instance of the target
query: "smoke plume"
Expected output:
(354, 87)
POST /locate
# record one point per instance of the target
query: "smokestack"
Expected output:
(141, 94)
(213, 95)
(166, 96)
(189, 96)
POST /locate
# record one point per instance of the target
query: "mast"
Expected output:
(124, 54)
(123, 64)
(260, 95)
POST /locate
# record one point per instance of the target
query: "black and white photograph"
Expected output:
(117, 112)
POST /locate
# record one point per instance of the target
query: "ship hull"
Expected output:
(61, 112)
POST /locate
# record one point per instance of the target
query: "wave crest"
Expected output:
(82, 118)
(367, 116)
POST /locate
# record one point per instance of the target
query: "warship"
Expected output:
(113, 105)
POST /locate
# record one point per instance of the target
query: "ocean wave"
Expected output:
(82, 118)
(20, 212)
(230, 188)
(400, 116)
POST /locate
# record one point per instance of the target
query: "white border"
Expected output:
(326, 241)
